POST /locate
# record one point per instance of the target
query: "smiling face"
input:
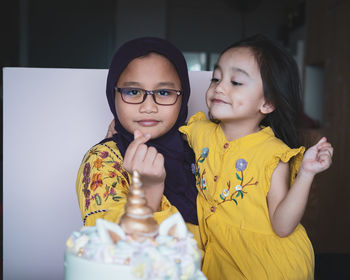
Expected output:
(150, 72)
(235, 94)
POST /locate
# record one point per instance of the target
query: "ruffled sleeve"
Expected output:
(285, 154)
(189, 129)
(102, 186)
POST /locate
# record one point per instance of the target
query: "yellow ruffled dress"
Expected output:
(233, 179)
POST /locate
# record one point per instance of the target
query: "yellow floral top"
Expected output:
(233, 179)
(102, 186)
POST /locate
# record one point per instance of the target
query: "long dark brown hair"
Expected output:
(281, 85)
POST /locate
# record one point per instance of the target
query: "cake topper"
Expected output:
(137, 221)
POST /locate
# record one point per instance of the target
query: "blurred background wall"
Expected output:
(85, 34)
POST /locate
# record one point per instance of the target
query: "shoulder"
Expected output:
(281, 150)
(103, 151)
(275, 151)
(200, 116)
(277, 148)
(104, 162)
(197, 123)
(104, 158)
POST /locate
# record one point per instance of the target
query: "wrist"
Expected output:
(306, 173)
(153, 194)
(155, 188)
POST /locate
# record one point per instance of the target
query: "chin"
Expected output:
(154, 134)
(215, 115)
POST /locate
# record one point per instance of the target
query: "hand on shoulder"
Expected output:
(111, 130)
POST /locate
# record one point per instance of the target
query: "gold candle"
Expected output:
(138, 221)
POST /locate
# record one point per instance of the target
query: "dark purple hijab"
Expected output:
(180, 187)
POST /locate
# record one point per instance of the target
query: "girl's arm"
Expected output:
(150, 164)
(102, 185)
(287, 205)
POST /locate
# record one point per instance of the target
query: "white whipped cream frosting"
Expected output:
(165, 257)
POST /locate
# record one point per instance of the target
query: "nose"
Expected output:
(148, 106)
(219, 87)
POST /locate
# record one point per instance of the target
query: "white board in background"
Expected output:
(51, 118)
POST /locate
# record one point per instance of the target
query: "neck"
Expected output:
(239, 128)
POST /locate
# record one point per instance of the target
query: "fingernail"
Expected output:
(147, 135)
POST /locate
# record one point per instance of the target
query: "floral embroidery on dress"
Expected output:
(96, 181)
(237, 191)
(92, 185)
(200, 180)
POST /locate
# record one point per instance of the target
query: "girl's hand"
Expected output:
(317, 158)
(146, 160)
(111, 130)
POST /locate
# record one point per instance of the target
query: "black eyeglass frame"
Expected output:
(149, 92)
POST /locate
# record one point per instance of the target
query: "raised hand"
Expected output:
(318, 157)
(146, 160)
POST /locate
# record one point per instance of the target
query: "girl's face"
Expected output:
(236, 90)
(151, 72)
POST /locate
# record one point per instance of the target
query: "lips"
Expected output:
(148, 123)
(218, 101)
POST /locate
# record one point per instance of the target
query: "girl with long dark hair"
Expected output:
(253, 178)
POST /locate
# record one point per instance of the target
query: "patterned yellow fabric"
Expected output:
(233, 179)
(102, 186)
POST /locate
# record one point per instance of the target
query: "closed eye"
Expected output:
(236, 83)
(214, 80)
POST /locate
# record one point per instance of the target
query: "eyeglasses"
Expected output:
(164, 97)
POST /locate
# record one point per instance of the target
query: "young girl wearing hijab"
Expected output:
(147, 91)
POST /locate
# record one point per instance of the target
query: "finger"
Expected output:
(158, 166)
(131, 151)
(111, 129)
(139, 139)
(149, 158)
(325, 153)
(157, 169)
(322, 140)
(158, 161)
(325, 161)
(138, 134)
(139, 157)
(152, 154)
(327, 149)
(331, 151)
(110, 133)
(325, 145)
(112, 124)
(133, 160)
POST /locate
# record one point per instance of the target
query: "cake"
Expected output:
(137, 248)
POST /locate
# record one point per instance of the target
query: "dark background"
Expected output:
(85, 34)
